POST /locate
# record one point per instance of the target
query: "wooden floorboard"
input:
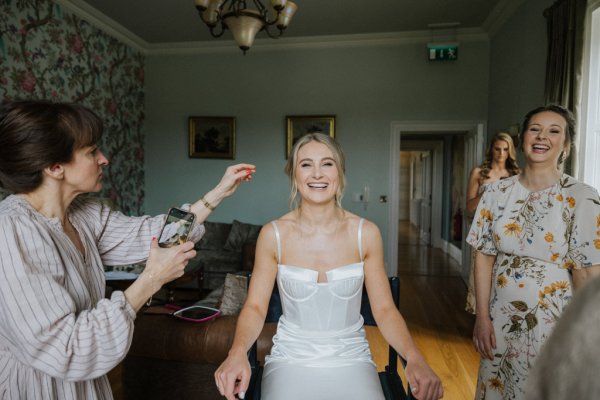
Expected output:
(432, 297)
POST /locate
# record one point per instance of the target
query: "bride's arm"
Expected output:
(251, 319)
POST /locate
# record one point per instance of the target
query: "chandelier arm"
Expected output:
(218, 34)
(264, 11)
(271, 35)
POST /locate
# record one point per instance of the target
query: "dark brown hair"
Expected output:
(35, 134)
(563, 112)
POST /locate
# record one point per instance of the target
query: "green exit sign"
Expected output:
(443, 52)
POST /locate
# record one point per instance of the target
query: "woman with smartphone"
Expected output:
(59, 335)
(320, 255)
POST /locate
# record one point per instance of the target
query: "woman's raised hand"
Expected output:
(234, 175)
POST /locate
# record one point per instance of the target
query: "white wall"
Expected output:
(404, 203)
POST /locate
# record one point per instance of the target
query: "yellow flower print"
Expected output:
(549, 290)
(501, 281)
(512, 229)
(554, 256)
(549, 237)
(597, 244)
(569, 264)
(496, 384)
(521, 285)
(561, 285)
(571, 201)
(486, 214)
(598, 221)
(559, 197)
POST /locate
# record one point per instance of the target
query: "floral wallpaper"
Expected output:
(48, 53)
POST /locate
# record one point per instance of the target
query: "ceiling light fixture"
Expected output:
(243, 22)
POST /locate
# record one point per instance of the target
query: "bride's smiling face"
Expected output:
(317, 174)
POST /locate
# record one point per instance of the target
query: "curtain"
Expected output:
(565, 28)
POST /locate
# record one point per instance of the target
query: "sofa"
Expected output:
(174, 359)
(220, 251)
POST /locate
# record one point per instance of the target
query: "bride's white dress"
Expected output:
(320, 350)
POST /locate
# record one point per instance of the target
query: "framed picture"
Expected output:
(299, 125)
(211, 137)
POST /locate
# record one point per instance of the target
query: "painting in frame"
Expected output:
(299, 125)
(211, 137)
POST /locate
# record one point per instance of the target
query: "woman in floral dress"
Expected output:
(537, 236)
(500, 162)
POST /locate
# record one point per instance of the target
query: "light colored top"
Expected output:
(557, 225)
(321, 325)
(59, 336)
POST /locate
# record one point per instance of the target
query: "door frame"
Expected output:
(475, 128)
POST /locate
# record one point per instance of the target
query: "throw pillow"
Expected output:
(235, 289)
(240, 234)
(215, 236)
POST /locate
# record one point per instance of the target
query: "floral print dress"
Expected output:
(537, 238)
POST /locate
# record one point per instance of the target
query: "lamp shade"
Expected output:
(202, 4)
(244, 27)
(278, 4)
(286, 15)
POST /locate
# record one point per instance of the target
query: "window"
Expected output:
(589, 122)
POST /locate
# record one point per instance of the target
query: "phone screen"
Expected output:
(197, 313)
(176, 228)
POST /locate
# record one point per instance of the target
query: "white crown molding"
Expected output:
(313, 42)
(500, 14)
(119, 32)
(104, 23)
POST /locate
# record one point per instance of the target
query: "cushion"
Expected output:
(234, 294)
(241, 233)
(215, 236)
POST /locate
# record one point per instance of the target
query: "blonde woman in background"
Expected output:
(500, 162)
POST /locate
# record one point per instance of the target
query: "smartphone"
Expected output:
(177, 227)
(197, 313)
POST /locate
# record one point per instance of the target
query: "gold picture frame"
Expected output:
(211, 137)
(299, 125)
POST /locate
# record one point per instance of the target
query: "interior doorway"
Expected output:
(474, 132)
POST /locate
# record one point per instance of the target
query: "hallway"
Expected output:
(432, 298)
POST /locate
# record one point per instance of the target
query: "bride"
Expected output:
(320, 255)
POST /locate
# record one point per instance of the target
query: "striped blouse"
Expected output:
(59, 336)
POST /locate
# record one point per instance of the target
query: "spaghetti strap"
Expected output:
(360, 225)
(277, 236)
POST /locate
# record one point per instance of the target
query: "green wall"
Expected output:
(518, 66)
(366, 87)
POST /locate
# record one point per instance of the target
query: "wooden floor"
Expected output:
(432, 298)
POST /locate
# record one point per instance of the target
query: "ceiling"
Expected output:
(176, 21)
